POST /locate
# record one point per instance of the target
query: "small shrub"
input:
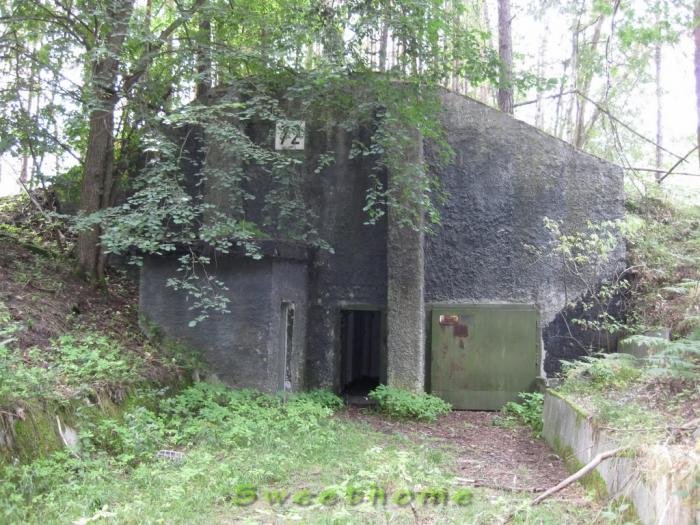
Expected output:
(134, 437)
(92, 359)
(324, 398)
(403, 404)
(597, 374)
(18, 381)
(219, 415)
(529, 411)
(678, 359)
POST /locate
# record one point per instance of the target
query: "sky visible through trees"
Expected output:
(616, 69)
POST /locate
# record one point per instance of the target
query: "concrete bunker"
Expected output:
(364, 313)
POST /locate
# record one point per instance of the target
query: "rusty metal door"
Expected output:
(483, 355)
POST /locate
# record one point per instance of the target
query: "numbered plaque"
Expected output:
(289, 134)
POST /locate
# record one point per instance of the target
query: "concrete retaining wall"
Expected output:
(641, 347)
(660, 482)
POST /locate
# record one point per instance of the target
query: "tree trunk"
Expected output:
(485, 94)
(204, 65)
(583, 88)
(696, 35)
(383, 44)
(539, 113)
(659, 105)
(99, 157)
(505, 52)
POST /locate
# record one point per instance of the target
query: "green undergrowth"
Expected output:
(640, 399)
(403, 404)
(663, 242)
(528, 411)
(232, 441)
(80, 376)
(73, 365)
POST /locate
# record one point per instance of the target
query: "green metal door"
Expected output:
(483, 355)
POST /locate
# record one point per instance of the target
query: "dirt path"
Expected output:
(488, 456)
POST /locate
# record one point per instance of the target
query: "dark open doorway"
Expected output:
(361, 340)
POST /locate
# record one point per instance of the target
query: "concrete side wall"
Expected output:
(354, 273)
(237, 346)
(507, 176)
(655, 491)
(405, 290)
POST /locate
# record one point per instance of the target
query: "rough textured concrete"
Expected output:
(641, 348)
(507, 176)
(355, 273)
(405, 308)
(654, 481)
(242, 347)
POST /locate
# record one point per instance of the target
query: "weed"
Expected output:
(403, 404)
(92, 359)
(601, 373)
(529, 412)
(678, 359)
(322, 397)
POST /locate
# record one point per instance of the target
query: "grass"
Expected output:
(233, 439)
(230, 440)
(639, 399)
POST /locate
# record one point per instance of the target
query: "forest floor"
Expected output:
(503, 468)
(488, 454)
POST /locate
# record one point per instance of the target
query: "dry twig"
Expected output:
(578, 475)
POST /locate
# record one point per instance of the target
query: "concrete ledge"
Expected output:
(660, 483)
(641, 347)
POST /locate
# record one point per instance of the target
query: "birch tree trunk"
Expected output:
(383, 44)
(584, 77)
(204, 64)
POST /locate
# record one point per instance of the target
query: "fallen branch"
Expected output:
(659, 180)
(676, 431)
(47, 290)
(478, 483)
(578, 475)
(507, 488)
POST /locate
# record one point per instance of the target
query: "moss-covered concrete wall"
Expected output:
(648, 477)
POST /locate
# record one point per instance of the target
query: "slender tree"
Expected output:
(505, 52)
(696, 37)
(659, 95)
(98, 175)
